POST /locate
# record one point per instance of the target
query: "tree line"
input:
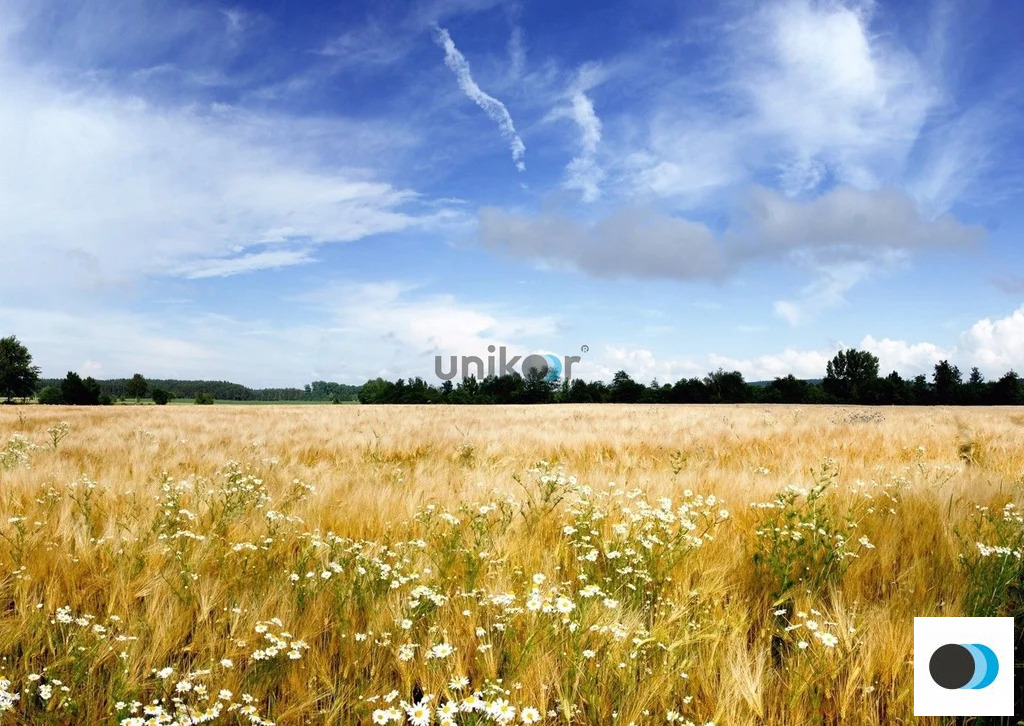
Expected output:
(852, 376)
(122, 388)
(19, 378)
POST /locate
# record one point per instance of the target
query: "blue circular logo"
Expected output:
(554, 368)
(956, 666)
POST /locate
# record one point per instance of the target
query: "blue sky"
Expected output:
(276, 192)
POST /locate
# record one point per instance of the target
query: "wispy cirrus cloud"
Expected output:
(804, 94)
(228, 266)
(123, 188)
(583, 172)
(495, 109)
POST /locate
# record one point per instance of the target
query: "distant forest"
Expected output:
(850, 377)
(118, 388)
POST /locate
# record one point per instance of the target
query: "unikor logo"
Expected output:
(546, 367)
(964, 666)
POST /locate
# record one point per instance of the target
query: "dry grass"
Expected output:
(344, 533)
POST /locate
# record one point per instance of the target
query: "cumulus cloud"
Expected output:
(343, 331)
(851, 219)
(995, 346)
(906, 358)
(495, 109)
(632, 242)
(800, 363)
(853, 230)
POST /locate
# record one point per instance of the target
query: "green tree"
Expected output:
(204, 399)
(537, 388)
(624, 389)
(922, 392)
(851, 376)
(690, 390)
(791, 389)
(893, 390)
(947, 382)
(77, 392)
(160, 396)
(1008, 390)
(726, 386)
(50, 396)
(975, 388)
(136, 386)
(18, 377)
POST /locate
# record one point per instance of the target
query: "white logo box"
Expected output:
(931, 699)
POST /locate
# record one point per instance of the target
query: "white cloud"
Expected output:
(112, 343)
(688, 160)
(631, 242)
(800, 363)
(516, 52)
(491, 106)
(346, 332)
(835, 95)
(228, 266)
(369, 45)
(643, 365)
(850, 219)
(832, 283)
(131, 189)
(906, 358)
(807, 93)
(393, 328)
(995, 345)
(853, 232)
(583, 172)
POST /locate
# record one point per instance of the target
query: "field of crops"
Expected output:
(493, 565)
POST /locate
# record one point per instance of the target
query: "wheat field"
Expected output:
(493, 565)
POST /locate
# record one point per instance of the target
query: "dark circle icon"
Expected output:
(952, 666)
(536, 363)
(971, 666)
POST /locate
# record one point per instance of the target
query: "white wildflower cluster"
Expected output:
(807, 629)
(1009, 524)
(677, 718)
(242, 489)
(8, 699)
(621, 539)
(803, 527)
(192, 702)
(46, 688)
(279, 643)
(488, 705)
(15, 452)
